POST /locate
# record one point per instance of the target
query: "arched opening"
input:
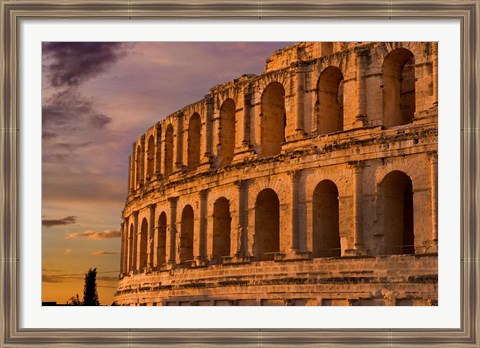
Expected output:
(227, 131)
(139, 166)
(330, 101)
(150, 157)
(273, 119)
(186, 235)
(169, 150)
(193, 150)
(143, 244)
(267, 225)
(221, 228)
(398, 214)
(326, 237)
(162, 239)
(132, 255)
(398, 87)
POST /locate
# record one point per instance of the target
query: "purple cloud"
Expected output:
(59, 222)
(72, 63)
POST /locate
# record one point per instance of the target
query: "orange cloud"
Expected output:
(107, 234)
(103, 252)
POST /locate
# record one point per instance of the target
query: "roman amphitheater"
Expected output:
(314, 183)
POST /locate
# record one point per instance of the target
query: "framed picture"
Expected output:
(341, 162)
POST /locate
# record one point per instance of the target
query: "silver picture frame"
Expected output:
(12, 13)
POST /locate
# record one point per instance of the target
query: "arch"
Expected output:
(143, 244)
(139, 166)
(221, 228)
(396, 188)
(267, 225)
(326, 235)
(398, 87)
(168, 150)
(193, 148)
(162, 239)
(330, 101)
(227, 131)
(273, 120)
(150, 157)
(186, 234)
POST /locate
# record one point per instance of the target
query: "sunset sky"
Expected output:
(98, 98)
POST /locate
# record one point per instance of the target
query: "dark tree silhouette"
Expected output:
(90, 296)
(74, 301)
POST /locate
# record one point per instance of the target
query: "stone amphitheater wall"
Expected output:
(329, 156)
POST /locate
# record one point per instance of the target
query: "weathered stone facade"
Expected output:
(314, 183)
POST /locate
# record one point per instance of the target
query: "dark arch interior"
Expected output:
(150, 157)
(227, 131)
(273, 119)
(267, 225)
(326, 236)
(169, 150)
(143, 244)
(186, 235)
(193, 150)
(162, 239)
(221, 228)
(398, 203)
(398, 87)
(330, 101)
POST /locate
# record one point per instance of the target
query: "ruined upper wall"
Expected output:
(304, 51)
(311, 92)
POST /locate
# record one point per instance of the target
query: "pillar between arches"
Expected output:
(433, 156)
(171, 232)
(294, 251)
(357, 231)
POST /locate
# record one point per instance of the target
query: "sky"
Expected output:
(97, 99)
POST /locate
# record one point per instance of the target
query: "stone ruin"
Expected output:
(314, 183)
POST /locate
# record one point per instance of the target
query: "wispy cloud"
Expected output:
(57, 276)
(103, 252)
(59, 222)
(93, 235)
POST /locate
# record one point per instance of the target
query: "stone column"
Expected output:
(435, 72)
(358, 243)
(299, 100)
(216, 137)
(151, 251)
(200, 248)
(208, 135)
(130, 186)
(122, 248)
(361, 119)
(128, 256)
(158, 150)
(136, 253)
(242, 228)
(142, 161)
(433, 155)
(180, 136)
(294, 199)
(170, 247)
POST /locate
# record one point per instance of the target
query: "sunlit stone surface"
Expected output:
(314, 183)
